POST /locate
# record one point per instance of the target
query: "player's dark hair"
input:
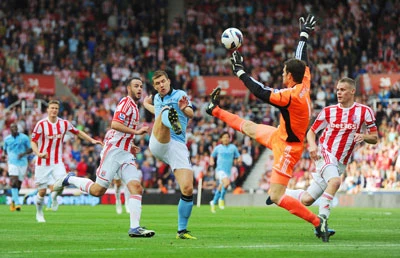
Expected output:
(223, 133)
(128, 81)
(297, 68)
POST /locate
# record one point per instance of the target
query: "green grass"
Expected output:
(86, 231)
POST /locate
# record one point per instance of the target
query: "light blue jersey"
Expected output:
(171, 100)
(225, 155)
(15, 146)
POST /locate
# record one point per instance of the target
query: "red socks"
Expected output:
(297, 208)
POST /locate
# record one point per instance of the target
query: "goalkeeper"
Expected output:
(286, 141)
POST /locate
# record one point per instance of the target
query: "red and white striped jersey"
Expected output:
(126, 113)
(340, 126)
(49, 138)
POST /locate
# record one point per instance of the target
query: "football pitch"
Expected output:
(86, 231)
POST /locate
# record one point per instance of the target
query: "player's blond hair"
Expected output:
(53, 101)
(349, 81)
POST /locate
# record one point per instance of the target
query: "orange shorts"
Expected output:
(286, 154)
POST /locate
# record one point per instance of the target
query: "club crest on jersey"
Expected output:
(103, 173)
(121, 116)
(354, 118)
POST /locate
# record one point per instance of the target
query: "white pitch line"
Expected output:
(322, 245)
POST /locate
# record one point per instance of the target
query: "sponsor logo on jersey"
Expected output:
(54, 136)
(344, 126)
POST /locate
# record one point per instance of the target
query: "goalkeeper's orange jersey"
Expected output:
(295, 106)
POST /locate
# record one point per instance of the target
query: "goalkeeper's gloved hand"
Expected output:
(237, 63)
(307, 26)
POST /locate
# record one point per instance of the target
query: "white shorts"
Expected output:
(327, 167)
(46, 175)
(116, 163)
(18, 171)
(174, 153)
(221, 175)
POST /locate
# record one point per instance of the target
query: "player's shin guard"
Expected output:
(325, 204)
(223, 192)
(230, 119)
(83, 184)
(217, 195)
(184, 211)
(15, 196)
(39, 203)
(297, 208)
(165, 119)
(135, 208)
(295, 193)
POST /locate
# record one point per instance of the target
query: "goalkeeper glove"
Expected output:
(306, 26)
(237, 64)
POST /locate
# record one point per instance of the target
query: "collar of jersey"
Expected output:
(169, 93)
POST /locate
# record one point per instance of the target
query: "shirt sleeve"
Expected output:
(37, 131)
(72, 128)
(123, 111)
(320, 122)
(370, 120)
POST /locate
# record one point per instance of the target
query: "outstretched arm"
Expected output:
(306, 26)
(86, 137)
(257, 88)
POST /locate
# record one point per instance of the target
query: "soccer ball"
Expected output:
(232, 38)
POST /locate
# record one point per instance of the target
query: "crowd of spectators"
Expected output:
(92, 46)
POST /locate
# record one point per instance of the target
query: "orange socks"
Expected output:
(230, 119)
(297, 208)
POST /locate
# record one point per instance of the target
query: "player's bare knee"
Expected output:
(97, 190)
(307, 202)
(42, 192)
(306, 199)
(249, 128)
(334, 183)
(118, 182)
(14, 182)
(187, 190)
(135, 187)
